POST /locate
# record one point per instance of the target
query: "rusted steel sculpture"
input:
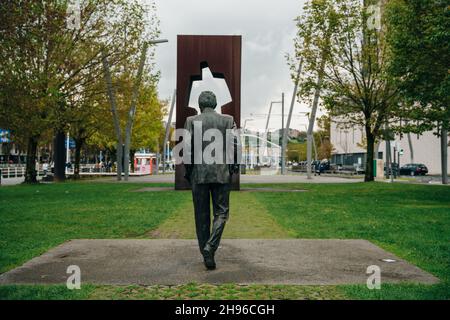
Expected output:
(222, 54)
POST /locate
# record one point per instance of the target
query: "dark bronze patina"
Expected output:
(210, 181)
(222, 54)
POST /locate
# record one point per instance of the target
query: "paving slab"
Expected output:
(242, 261)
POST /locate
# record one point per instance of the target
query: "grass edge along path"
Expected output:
(189, 291)
(248, 219)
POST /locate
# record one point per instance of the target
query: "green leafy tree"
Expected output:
(47, 67)
(147, 128)
(296, 151)
(148, 125)
(418, 35)
(316, 27)
(322, 136)
(349, 60)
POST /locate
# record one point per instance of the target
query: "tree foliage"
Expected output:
(335, 42)
(51, 76)
(419, 42)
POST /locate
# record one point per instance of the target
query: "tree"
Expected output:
(85, 119)
(296, 151)
(131, 112)
(25, 98)
(316, 26)
(47, 67)
(148, 125)
(324, 148)
(419, 42)
(355, 86)
(148, 121)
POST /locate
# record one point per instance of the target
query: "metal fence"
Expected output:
(16, 172)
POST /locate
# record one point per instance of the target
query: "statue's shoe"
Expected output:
(208, 257)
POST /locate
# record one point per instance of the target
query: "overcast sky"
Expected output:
(267, 28)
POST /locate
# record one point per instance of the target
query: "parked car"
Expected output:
(315, 164)
(359, 169)
(414, 169)
(323, 166)
(394, 169)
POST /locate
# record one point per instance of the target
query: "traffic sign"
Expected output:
(71, 143)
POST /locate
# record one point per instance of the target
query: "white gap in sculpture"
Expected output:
(210, 83)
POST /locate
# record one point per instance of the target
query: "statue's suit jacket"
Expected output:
(209, 173)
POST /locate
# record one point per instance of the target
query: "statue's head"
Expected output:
(207, 99)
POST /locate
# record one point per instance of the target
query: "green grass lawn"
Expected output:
(248, 219)
(37, 218)
(412, 221)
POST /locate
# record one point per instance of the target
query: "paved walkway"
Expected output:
(12, 181)
(242, 261)
(170, 178)
(252, 179)
(15, 181)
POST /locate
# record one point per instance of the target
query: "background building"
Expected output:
(350, 150)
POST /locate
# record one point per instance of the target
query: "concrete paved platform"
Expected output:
(169, 262)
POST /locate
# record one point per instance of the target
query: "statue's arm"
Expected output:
(235, 166)
(188, 167)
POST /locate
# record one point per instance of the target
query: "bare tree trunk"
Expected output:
(8, 152)
(370, 155)
(389, 169)
(78, 145)
(132, 152)
(132, 112)
(50, 154)
(411, 149)
(312, 119)
(291, 108)
(376, 148)
(315, 148)
(444, 155)
(312, 116)
(112, 101)
(59, 156)
(30, 171)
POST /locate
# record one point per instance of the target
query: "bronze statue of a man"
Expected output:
(210, 178)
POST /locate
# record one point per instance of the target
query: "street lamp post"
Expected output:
(169, 121)
(67, 152)
(311, 143)
(291, 109)
(246, 143)
(158, 41)
(151, 42)
(270, 113)
(283, 168)
(283, 129)
(245, 122)
(268, 116)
